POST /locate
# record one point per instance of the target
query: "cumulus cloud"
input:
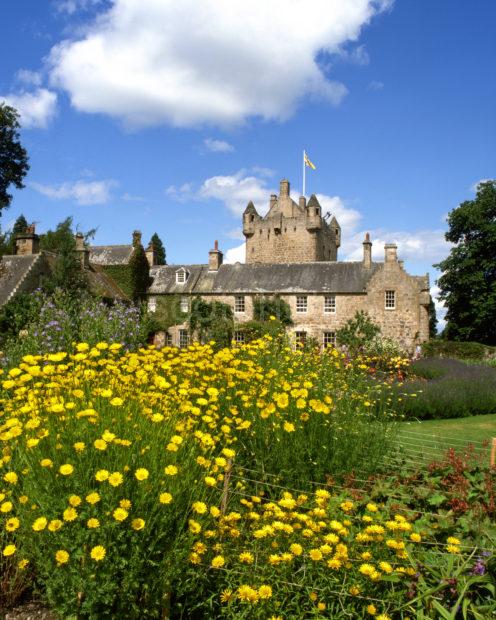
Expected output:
(29, 77)
(217, 146)
(375, 85)
(36, 108)
(440, 307)
(236, 255)
(81, 192)
(236, 191)
(148, 62)
(72, 6)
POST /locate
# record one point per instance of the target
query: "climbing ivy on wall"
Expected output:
(121, 275)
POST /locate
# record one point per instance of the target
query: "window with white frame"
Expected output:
(390, 300)
(181, 276)
(239, 337)
(301, 303)
(330, 304)
(168, 339)
(239, 303)
(184, 304)
(183, 338)
(300, 338)
(329, 339)
(152, 304)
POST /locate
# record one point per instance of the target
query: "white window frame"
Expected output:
(183, 338)
(239, 337)
(182, 276)
(328, 339)
(301, 304)
(300, 338)
(239, 304)
(390, 300)
(184, 304)
(152, 304)
(330, 304)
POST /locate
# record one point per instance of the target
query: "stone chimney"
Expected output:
(82, 250)
(151, 254)
(284, 188)
(136, 238)
(215, 257)
(273, 201)
(27, 242)
(302, 201)
(390, 253)
(367, 252)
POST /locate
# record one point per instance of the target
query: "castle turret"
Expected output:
(250, 216)
(313, 217)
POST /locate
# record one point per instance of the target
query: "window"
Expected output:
(152, 304)
(184, 305)
(390, 300)
(239, 337)
(301, 338)
(181, 276)
(301, 303)
(183, 338)
(239, 303)
(330, 304)
(329, 339)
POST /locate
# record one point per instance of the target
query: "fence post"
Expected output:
(492, 461)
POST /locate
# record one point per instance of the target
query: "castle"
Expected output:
(291, 252)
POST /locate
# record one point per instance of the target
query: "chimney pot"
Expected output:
(302, 202)
(390, 253)
(284, 188)
(215, 258)
(367, 252)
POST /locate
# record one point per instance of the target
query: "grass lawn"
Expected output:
(428, 440)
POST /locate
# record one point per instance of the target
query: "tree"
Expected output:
(139, 273)
(432, 319)
(468, 280)
(211, 321)
(159, 249)
(13, 157)
(266, 307)
(67, 273)
(357, 332)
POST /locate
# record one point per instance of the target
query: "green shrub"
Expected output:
(358, 332)
(457, 350)
(264, 308)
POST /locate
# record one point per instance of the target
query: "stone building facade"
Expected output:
(292, 253)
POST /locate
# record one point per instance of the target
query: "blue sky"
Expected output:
(169, 117)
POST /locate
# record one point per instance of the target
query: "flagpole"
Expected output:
(303, 172)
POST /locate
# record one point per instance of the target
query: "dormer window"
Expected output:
(182, 276)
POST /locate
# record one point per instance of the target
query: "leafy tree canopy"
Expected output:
(211, 321)
(468, 281)
(139, 273)
(20, 225)
(264, 308)
(357, 332)
(159, 249)
(432, 319)
(13, 157)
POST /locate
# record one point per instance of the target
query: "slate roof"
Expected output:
(12, 270)
(110, 254)
(318, 277)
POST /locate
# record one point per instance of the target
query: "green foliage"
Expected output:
(16, 314)
(468, 282)
(13, 157)
(432, 319)
(383, 347)
(211, 321)
(458, 350)
(20, 225)
(452, 390)
(258, 329)
(265, 307)
(5, 243)
(121, 274)
(159, 249)
(67, 273)
(357, 332)
(139, 273)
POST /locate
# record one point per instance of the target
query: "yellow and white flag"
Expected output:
(308, 162)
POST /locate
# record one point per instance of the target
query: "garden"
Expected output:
(257, 481)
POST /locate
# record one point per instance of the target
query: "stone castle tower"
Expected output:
(290, 232)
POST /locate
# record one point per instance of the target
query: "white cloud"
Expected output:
(181, 193)
(440, 307)
(72, 6)
(29, 77)
(236, 233)
(375, 85)
(357, 55)
(132, 198)
(36, 109)
(217, 146)
(236, 191)
(236, 255)
(82, 192)
(148, 62)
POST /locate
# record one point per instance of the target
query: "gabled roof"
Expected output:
(318, 277)
(13, 270)
(111, 254)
